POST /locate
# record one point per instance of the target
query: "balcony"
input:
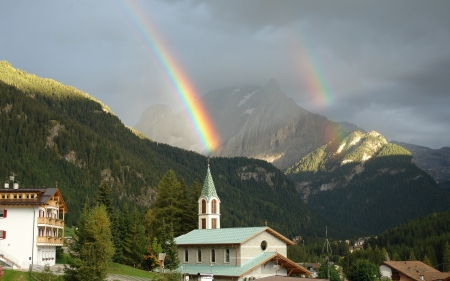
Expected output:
(50, 222)
(49, 241)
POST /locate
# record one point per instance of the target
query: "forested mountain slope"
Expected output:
(366, 184)
(426, 236)
(54, 133)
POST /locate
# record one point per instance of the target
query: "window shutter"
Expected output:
(4, 213)
(4, 234)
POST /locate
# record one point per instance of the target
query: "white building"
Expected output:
(31, 225)
(244, 253)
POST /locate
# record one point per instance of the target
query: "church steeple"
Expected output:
(208, 204)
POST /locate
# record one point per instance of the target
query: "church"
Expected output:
(242, 253)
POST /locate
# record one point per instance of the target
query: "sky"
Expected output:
(382, 65)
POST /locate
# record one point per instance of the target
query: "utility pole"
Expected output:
(328, 249)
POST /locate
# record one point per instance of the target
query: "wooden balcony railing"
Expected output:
(50, 221)
(49, 240)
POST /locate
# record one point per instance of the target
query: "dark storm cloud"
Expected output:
(386, 63)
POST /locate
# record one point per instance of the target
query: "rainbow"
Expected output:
(186, 93)
(311, 72)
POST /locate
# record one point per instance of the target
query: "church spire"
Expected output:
(208, 204)
(209, 189)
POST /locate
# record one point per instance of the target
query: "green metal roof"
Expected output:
(226, 270)
(235, 235)
(209, 189)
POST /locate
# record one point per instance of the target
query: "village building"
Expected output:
(243, 253)
(411, 270)
(31, 225)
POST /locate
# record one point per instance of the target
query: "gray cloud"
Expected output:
(385, 64)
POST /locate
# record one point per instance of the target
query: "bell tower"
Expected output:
(208, 204)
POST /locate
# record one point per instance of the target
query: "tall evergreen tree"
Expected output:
(189, 209)
(427, 260)
(92, 248)
(135, 243)
(446, 257)
(412, 257)
(169, 204)
(170, 247)
(104, 193)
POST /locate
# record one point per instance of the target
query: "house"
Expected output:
(411, 270)
(243, 253)
(31, 225)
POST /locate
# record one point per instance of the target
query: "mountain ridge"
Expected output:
(362, 175)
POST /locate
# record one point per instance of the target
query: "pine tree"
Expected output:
(104, 193)
(189, 221)
(426, 260)
(135, 242)
(412, 257)
(171, 249)
(169, 204)
(92, 248)
(446, 257)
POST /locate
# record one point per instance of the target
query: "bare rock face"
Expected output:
(435, 162)
(160, 124)
(252, 121)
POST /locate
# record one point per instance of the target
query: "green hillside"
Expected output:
(425, 238)
(54, 134)
(366, 184)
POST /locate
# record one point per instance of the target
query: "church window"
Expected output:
(227, 255)
(199, 255)
(203, 206)
(213, 223)
(186, 255)
(214, 206)
(203, 223)
(264, 245)
(213, 255)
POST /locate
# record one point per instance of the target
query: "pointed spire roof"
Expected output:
(209, 189)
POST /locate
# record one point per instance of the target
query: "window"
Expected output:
(3, 213)
(203, 206)
(213, 223)
(213, 255)
(264, 245)
(2, 234)
(214, 206)
(199, 255)
(186, 255)
(203, 223)
(227, 255)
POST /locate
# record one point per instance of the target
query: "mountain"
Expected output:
(52, 134)
(366, 184)
(256, 122)
(435, 162)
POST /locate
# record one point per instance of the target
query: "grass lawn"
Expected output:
(115, 268)
(69, 231)
(13, 275)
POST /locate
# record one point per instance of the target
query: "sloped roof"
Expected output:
(237, 235)
(416, 269)
(230, 270)
(209, 190)
(43, 196)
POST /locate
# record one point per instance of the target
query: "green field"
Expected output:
(115, 268)
(13, 275)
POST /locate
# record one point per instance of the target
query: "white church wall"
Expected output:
(252, 247)
(206, 255)
(269, 269)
